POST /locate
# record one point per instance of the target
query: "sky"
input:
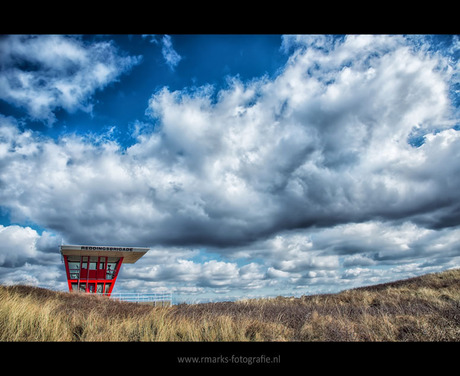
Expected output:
(250, 165)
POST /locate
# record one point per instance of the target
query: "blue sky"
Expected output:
(251, 165)
(204, 60)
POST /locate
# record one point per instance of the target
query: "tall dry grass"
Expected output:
(424, 308)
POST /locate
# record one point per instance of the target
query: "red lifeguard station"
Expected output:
(94, 269)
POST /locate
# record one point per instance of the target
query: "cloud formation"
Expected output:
(46, 72)
(21, 245)
(324, 143)
(172, 58)
(347, 159)
(170, 55)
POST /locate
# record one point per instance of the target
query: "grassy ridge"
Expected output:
(425, 308)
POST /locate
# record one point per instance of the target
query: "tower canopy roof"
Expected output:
(130, 254)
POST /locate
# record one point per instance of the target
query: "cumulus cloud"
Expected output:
(46, 72)
(301, 261)
(324, 143)
(50, 276)
(19, 245)
(313, 171)
(177, 270)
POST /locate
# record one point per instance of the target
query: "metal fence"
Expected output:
(156, 299)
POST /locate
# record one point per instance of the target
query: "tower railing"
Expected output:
(156, 299)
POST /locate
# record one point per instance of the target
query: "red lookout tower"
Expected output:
(94, 269)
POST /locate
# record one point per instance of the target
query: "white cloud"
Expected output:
(169, 53)
(358, 260)
(172, 58)
(323, 143)
(47, 276)
(354, 254)
(17, 244)
(46, 72)
(168, 268)
(21, 245)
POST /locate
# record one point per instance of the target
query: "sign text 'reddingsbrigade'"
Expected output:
(95, 248)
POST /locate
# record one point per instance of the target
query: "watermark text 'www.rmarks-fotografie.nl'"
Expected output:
(234, 359)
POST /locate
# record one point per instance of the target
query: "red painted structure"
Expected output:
(94, 269)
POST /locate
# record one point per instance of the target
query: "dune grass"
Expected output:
(425, 308)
